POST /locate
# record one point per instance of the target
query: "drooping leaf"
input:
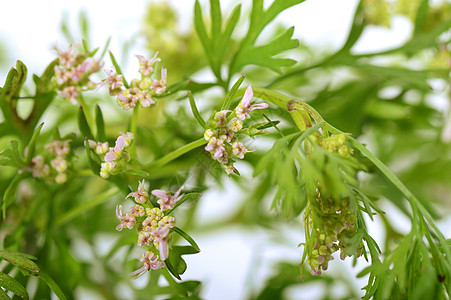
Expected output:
(175, 263)
(20, 260)
(52, 285)
(9, 283)
(187, 237)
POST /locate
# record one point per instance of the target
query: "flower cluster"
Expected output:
(115, 158)
(336, 143)
(72, 73)
(60, 151)
(329, 221)
(330, 232)
(152, 224)
(39, 168)
(221, 133)
(141, 91)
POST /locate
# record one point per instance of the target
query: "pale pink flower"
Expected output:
(150, 261)
(114, 80)
(245, 107)
(215, 146)
(59, 164)
(59, 148)
(127, 100)
(116, 152)
(137, 210)
(227, 135)
(127, 221)
(61, 75)
(149, 224)
(128, 138)
(166, 201)
(66, 58)
(141, 195)
(145, 238)
(221, 117)
(159, 86)
(146, 66)
(70, 93)
(154, 213)
(236, 125)
(209, 133)
(239, 150)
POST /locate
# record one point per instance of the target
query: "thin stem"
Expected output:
(85, 206)
(172, 283)
(176, 153)
(134, 129)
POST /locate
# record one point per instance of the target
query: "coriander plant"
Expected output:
(101, 155)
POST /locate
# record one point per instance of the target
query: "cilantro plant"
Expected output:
(98, 155)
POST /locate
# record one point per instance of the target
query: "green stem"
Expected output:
(172, 283)
(176, 153)
(414, 202)
(85, 206)
(134, 129)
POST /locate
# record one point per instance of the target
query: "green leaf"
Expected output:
(83, 124)
(12, 285)
(118, 69)
(135, 172)
(231, 94)
(32, 144)
(263, 55)
(215, 45)
(100, 125)
(3, 295)
(357, 27)
(93, 165)
(84, 27)
(12, 156)
(195, 111)
(186, 236)
(10, 92)
(422, 13)
(20, 260)
(105, 48)
(53, 286)
(8, 196)
(175, 263)
(248, 53)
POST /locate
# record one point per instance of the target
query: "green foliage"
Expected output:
(301, 171)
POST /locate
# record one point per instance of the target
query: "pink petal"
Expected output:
(120, 144)
(247, 97)
(160, 194)
(110, 156)
(178, 192)
(164, 249)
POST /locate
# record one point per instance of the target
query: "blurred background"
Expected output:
(389, 88)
